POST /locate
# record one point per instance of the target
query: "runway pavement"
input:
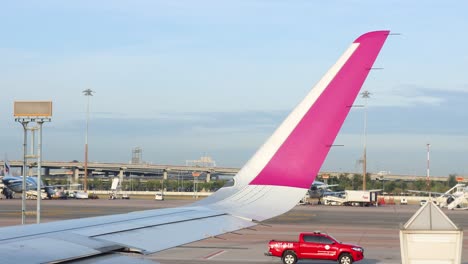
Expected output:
(374, 228)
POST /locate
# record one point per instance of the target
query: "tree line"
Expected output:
(344, 182)
(137, 184)
(354, 182)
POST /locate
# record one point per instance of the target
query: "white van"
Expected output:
(159, 197)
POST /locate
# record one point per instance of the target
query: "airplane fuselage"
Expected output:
(319, 189)
(15, 183)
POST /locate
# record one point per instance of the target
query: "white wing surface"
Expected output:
(271, 183)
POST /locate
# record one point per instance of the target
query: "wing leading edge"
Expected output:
(279, 174)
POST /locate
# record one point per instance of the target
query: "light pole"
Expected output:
(87, 93)
(195, 183)
(365, 95)
(25, 168)
(428, 169)
(39, 168)
(27, 112)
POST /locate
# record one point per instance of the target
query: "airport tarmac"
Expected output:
(374, 228)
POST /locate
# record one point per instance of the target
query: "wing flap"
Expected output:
(43, 250)
(114, 259)
(153, 239)
(158, 216)
(141, 220)
(146, 231)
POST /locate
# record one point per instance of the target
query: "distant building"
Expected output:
(204, 161)
(137, 155)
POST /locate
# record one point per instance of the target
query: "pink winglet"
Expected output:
(299, 158)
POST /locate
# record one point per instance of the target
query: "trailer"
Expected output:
(352, 198)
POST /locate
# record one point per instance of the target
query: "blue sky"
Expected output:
(186, 78)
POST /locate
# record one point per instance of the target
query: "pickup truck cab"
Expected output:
(316, 245)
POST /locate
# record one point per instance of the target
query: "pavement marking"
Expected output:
(214, 254)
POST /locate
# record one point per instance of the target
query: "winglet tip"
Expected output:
(372, 34)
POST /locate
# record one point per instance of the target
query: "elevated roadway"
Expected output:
(74, 167)
(159, 170)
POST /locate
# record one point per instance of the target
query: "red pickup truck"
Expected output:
(315, 245)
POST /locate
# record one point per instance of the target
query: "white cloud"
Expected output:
(400, 153)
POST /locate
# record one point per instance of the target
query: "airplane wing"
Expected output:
(15, 181)
(271, 183)
(62, 185)
(326, 186)
(333, 193)
(432, 193)
(448, 193)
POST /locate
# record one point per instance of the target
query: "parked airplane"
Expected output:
(15, 183)
(317, 190)
(6, 172)
(271, 183)
(8, 193)
(320, 189)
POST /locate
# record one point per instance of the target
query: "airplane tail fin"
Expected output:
(283, 169)
(7, 168)
(50, 191)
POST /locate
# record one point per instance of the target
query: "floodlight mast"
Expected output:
(25, 121)
(39, 171)
(25, 167)
(26, 112)
(87, 93)
(366, 95)
(428, 183)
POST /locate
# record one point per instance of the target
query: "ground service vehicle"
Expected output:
(403, 201)
(315, 245)
(352, 197)
(159, 197)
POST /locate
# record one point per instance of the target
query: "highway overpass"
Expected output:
(157, 170)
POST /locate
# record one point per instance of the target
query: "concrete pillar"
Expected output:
(121, 174)
(69, 181)
(162, 182)
(46, 172)
(208, 176)
(76, 174)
